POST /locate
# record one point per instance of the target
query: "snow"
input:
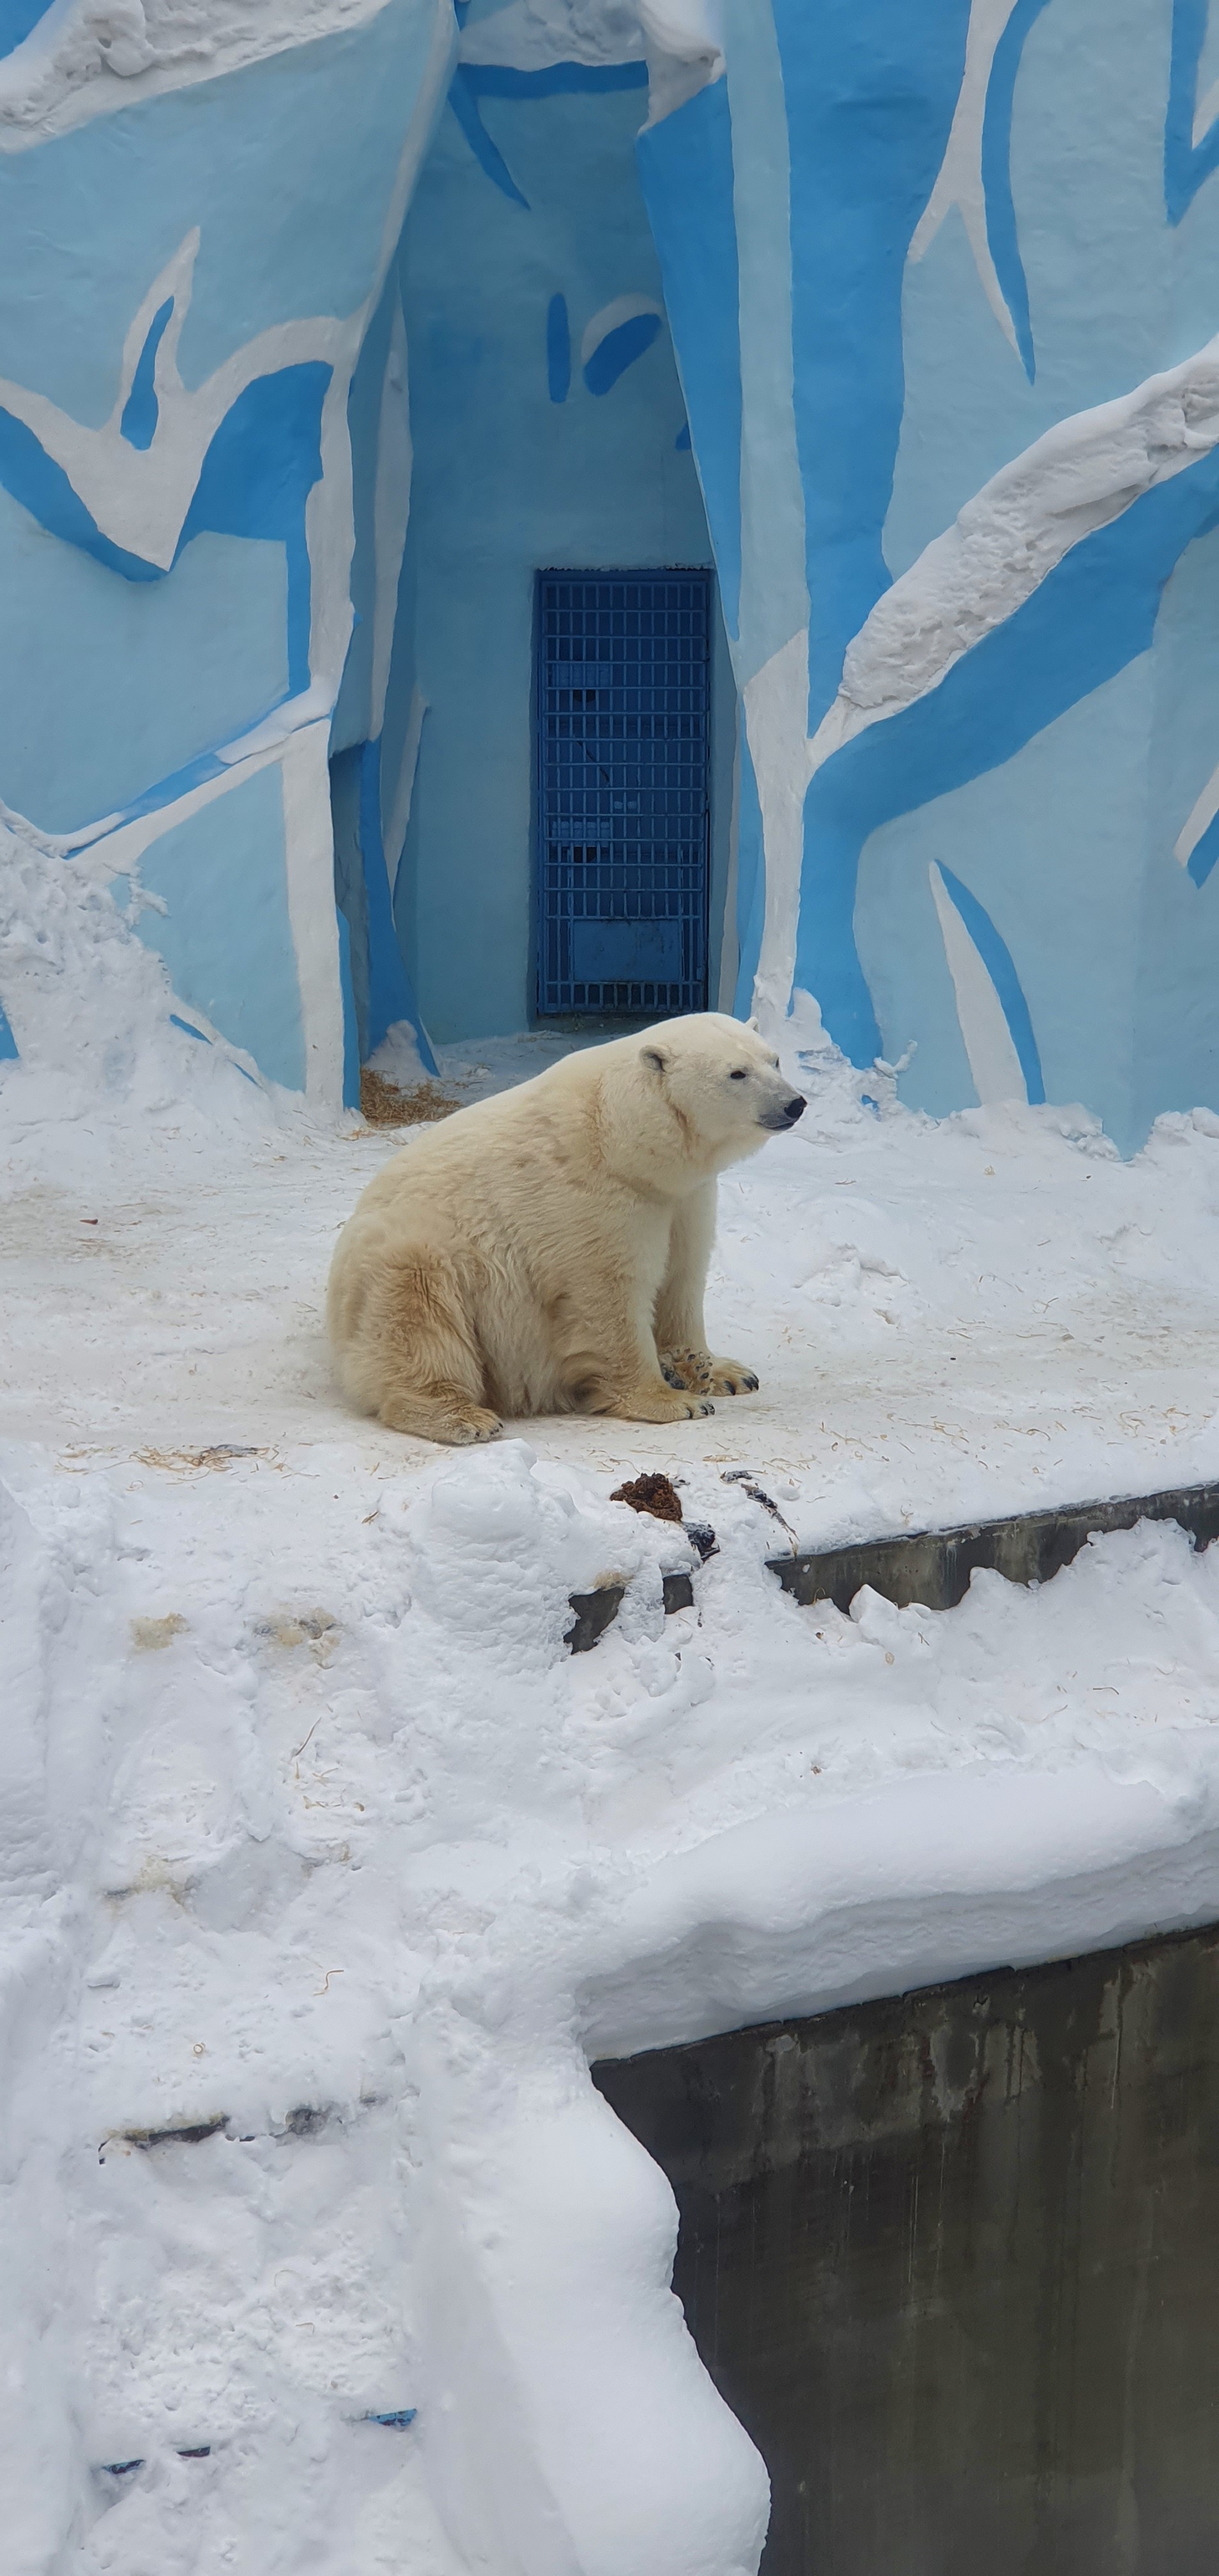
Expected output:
(84, 58)
(312, 1828)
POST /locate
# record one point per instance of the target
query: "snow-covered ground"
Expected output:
(317, 1839)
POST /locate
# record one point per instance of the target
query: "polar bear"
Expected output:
(545, 1251)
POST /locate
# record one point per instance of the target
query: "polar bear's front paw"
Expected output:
(477, 1424)
(689, 1370)
(449, 1418)
(702, 1375)
(731, 1377)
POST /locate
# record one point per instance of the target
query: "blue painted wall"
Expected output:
(524, 456)
(174, 531)
(909, 323)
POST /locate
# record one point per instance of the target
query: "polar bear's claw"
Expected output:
(476, 1425)
(731, 1377)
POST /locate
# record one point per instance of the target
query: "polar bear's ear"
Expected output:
(655, 1057)
(755, 1025)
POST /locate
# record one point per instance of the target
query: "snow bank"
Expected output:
(105, 1049)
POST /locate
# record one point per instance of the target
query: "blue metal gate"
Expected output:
(624, 721)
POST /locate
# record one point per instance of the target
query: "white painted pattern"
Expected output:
(1201, 815)
(773, 589)
(960, 177)
(611, 316)
(139, 497)
(730, 949)
(993, 1060)
(309, 854)
(776, 723)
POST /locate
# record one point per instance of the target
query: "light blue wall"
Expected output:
(145, 674)
(225, 934)
(508, 480)
(1108, 291)
(1015, 837)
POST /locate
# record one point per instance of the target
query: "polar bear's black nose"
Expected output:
(794, 1108)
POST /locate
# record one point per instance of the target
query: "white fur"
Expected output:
(546, 1250)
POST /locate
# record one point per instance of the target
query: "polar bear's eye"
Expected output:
(738, 1074)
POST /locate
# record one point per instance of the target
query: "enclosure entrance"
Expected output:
(953, 2260)
(624, 731)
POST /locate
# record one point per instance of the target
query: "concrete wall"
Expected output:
(953, 2260)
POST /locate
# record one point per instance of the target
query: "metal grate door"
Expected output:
(624, 708)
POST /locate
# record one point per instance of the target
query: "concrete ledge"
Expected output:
(933, 1567)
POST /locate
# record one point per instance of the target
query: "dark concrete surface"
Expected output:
(953, 2260)
(933, 1567)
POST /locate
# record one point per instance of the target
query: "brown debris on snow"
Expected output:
(385, 1105)
(651, 1493)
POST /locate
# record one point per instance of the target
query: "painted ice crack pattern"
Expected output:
(991, 1007)
(1191, 129)
(616, 337)
(141, 410)
(474, 81)
(239, 454)
(975, 174)
(1001, 231)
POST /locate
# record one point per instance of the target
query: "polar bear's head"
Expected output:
(722, 1082)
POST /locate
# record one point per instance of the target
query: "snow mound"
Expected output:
(103, 1043)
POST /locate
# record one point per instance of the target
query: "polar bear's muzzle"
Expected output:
(786, 1114)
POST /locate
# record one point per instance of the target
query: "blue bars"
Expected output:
(624, 721)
